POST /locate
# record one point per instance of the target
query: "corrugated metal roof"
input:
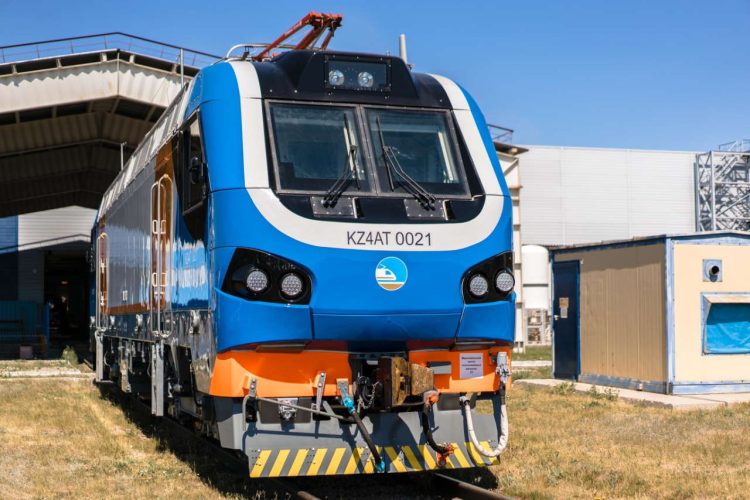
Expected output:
(643, 240)
(73, 129)
(61, 125)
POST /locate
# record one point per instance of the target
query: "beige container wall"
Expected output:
(622, 297)
(691, 365)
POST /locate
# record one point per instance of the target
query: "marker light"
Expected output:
(365, 79)
(504, 281)
(291, 285)
(335, 77)
(478, 285)
(257, 280)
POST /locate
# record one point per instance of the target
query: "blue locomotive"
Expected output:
(309, 259)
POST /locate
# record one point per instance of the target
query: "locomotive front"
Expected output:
(361, 247)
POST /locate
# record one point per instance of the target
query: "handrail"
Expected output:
(501, 134)
(738, 146)
(111, 40)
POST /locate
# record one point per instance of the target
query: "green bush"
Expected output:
(69, 354)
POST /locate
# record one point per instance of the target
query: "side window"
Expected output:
(193, 182)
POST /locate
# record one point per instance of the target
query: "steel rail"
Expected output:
(450, 486)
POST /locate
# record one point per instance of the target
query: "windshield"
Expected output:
(314, 147)
(422, 144)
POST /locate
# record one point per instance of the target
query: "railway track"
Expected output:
(438, 484)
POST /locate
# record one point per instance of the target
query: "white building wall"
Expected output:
(510, 166)
(54, 226)
(582, 195)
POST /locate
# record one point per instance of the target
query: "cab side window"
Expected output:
(194, 179)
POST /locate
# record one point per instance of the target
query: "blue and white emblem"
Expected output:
(391, 273)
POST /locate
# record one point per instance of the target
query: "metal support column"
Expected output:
(157, 378)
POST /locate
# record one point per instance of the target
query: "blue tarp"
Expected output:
(727, 329)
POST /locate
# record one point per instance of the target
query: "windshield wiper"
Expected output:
(390, 157)
(350, 171)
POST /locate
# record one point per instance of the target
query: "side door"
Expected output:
(101, 299)
(566, 324)
(161, 243)
(102, 274)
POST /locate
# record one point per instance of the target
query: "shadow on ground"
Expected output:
(228, 474)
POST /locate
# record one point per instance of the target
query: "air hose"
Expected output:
(502, 440)
(349, 405)
(443, 450)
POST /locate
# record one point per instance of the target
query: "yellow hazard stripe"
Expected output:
(475, 456)
(333, 465)
(395, 461)
(317, 461)
(426, 453)
(257, 469)
(309, 462)
(279, 463)
(370, 464)
(460, 456)
(354, 461)
(411, 458)
(493, 461)
(299, 459)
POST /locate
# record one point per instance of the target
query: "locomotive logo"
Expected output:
(391, 273)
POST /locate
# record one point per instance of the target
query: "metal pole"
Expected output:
(402, 48)
(713, 191)
(122, 155)
(697, 187)
(182, 68)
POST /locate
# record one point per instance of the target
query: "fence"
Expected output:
(23, 323)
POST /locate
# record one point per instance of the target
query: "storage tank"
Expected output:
(535, 272)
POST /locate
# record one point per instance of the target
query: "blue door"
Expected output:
(566, 319)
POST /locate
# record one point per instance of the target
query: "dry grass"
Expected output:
(21, 365)
(565, 444)
(534, 353)
(61, 438)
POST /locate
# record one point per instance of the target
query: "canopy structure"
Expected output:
(72, 109)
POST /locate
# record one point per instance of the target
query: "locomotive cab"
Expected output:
(373, 264)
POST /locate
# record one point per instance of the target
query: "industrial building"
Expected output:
(71, 112)
(668, 314)
(572, 195)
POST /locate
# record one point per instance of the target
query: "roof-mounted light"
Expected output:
(348, 74)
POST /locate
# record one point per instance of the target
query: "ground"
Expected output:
(59, 437)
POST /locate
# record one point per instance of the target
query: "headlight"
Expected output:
(291, 285)
(365, 79)
(335, 78)
(256, 281)
(490, 280)
(504, 282)
(478, 285)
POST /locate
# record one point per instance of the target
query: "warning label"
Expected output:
(472, 365)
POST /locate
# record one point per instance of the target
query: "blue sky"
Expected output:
(636, 74)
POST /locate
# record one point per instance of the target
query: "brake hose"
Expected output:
(502, 440)
(443, 450)
(348, 403)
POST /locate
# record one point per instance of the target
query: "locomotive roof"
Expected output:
(299, 75)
